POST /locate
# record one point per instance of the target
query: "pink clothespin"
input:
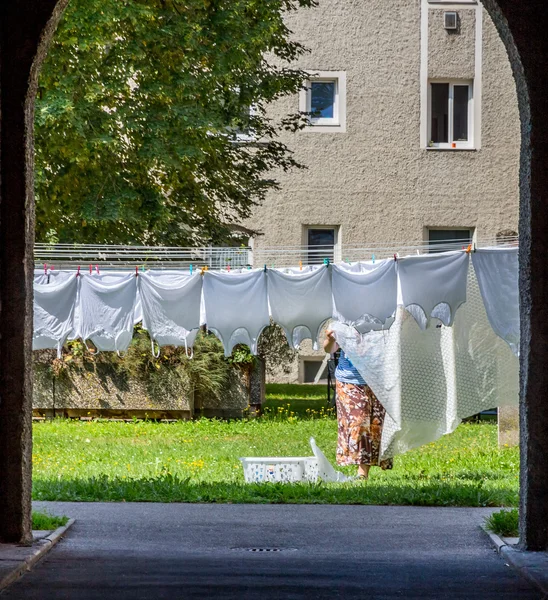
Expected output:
(90, 269)
(97, 269)
(45, 268)
(395, 257)
(78, 272)
(228, 267)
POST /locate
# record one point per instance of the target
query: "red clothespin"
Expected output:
(78, 272)
(136, 271)
(395, 258)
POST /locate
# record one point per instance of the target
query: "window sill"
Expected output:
(338, 128)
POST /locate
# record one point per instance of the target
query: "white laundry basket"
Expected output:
(290, 469)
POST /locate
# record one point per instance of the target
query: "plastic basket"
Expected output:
(280, 469)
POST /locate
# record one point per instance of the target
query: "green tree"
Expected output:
(137, 115)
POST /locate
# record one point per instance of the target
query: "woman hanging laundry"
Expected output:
(360, 416)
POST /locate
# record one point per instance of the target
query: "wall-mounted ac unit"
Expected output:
(450, 20)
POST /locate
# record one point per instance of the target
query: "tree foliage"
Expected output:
(138, 107)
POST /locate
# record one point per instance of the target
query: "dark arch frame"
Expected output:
(26, 27)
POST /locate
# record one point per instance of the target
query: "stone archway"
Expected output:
(26, 26)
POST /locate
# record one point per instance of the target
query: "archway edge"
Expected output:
(522, 27)
(26, 27)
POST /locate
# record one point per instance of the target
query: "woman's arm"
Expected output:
(330, 344)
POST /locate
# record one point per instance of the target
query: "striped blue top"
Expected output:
(346, 372)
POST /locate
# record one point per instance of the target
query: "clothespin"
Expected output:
(326, 262)
(45, 268)
(347, 261)
(228, 267)
(396, 257)
(265, 268)
(474, 247)
(469, 249)
(190, 269)
(418, 252)
(97, 269)
(137, 271)
(202, 270)
(300, 265)
(78, 272)
(373, 257)
(90, 269)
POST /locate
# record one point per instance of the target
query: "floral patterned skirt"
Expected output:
(361, 417)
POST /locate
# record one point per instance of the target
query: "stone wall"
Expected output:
(101, 390)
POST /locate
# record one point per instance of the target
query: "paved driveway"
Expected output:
(186, 551)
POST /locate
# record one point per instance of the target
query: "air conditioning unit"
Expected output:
(451, 20)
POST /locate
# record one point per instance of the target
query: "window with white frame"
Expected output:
(324, 100)
(450, 118)
(322, 243)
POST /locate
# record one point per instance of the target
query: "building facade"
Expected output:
(414, 132)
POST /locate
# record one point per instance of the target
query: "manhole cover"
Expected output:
(264, 550)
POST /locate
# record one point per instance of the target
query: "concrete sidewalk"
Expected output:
(172, 551)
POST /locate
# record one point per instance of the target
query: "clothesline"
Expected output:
(63, 256)
(238, 304)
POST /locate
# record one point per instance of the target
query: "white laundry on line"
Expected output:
(497, 271)
(236, 306)
(365, 294)
(106, 307)
(300, 302)
(171, 306)
(54, 308)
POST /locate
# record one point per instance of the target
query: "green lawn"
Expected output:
(197, 461)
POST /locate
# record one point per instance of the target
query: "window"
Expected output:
(321, 243)
(314, 371)
(324, 100)
(245, 133)
(442, 240)
(450, 118)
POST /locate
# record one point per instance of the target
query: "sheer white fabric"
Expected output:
(428, 380)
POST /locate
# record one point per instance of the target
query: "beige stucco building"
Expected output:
(414, 135)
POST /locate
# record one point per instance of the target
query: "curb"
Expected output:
(522, 562)
(45, 545)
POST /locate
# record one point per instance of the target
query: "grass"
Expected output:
(197, 461)
(504, 523)
(46, 522)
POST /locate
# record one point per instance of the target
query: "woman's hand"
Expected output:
(330, 344)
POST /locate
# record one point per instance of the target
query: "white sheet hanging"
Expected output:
(171, 306)
(106, 308)
(236, 306)
(300, 302)
(365, 297)
(433, 285)
(497, 271)
(429, 380)
(54, 308)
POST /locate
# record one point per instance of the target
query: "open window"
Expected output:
(450, 114)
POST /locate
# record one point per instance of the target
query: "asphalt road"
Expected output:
(185, 551)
